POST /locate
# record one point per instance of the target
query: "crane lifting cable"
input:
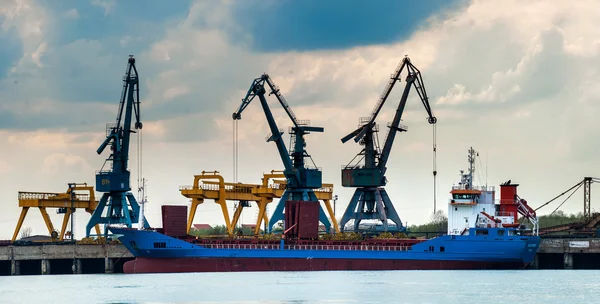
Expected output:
(434, 167)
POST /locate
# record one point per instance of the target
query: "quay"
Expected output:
(567, 253)
(46, 259)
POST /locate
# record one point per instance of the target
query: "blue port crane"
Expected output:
(115, 181)
(370, 200)
(301, 179)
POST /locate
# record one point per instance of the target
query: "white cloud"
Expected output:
(72, 14)
(107, 5)
(32, 24)
(60, 163)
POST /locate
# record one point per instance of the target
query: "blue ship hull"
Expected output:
(156, 252)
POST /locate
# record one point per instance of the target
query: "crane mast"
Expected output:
(115, 180)
(301, 180)
(370, 200)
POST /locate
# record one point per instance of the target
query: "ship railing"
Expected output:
(216, 187)
(308, 247)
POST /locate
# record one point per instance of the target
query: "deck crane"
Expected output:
(370, 200)
(301, 180)
(115, 181)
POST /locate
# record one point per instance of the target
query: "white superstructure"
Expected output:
(473, 206)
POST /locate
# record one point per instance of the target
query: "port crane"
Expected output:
(114, 182)
(370, 200)
(301, 180)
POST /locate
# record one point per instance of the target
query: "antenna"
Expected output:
(486, 169)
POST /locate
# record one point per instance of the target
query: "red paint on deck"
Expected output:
(159, 265)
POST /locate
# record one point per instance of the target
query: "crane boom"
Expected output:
(413, 79)
(382, 98)
(275, 90)
(257, 89)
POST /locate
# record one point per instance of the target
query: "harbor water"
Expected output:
(522, 286)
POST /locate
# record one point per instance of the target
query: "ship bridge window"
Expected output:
(501, 232)
(160, 245)
(463, 196)
(481, 232)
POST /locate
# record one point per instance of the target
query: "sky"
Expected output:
(514, 80)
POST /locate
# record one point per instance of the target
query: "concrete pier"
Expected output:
(568, 253)
(63, 259)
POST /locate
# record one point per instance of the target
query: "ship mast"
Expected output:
(471, 159)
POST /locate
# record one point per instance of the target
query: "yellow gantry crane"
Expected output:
(62, 201)
(276, 190)
(214, 187)
(220, 192)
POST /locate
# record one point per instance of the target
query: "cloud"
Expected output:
(333, 25)
(72, 14)
(60, 163)
(31, 23)
(107, 5)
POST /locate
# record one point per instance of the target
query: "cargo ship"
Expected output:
(482, 234)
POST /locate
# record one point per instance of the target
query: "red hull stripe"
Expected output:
(160, 265)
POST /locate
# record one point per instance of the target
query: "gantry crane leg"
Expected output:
(47, 220)
(20, 222)
(64, 224)
(195, 203)
(262, 214)
(322, 215)
(357, 205)
(390, 211)
(236, 215)
(97, 214)
(221, 201)
(336, 228)
(351, 212)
